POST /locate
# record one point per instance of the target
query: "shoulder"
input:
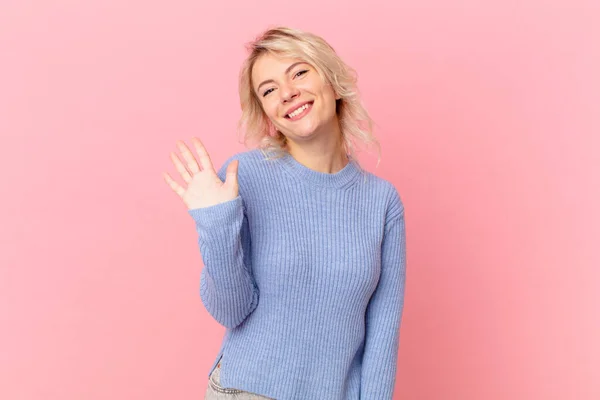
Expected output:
(249, 161)
(246, 157)
(387, 192)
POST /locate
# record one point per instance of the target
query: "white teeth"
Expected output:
(298, 111)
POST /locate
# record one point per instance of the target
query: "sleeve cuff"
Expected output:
(218, 215)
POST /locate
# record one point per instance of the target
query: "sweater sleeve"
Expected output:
(384, 313)
(227, 287)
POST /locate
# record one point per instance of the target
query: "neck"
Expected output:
(323, 155)
(318, 159)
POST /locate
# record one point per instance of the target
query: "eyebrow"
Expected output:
(286, 71)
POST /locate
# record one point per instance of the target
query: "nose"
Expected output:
(288, 93)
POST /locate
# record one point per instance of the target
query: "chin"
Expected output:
(304, 134)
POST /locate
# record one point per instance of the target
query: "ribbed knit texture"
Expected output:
(306, 270)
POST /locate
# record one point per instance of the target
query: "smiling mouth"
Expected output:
(297, 115)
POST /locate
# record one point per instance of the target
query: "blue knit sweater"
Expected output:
(306, 270)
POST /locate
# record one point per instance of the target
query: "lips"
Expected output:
(297, 107)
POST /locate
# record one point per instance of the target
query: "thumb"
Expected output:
(232, 171)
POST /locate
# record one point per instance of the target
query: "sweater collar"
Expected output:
(343, 177)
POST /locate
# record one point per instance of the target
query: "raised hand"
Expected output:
(204, 187)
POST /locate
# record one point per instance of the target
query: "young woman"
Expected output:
(304, 252)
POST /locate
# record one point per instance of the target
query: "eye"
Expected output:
(299, 73)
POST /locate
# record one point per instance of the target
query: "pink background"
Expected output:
(489, 118)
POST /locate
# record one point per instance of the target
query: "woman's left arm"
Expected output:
(384, 312)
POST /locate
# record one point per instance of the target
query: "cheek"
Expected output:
(329, 93)
(270, 110)
(327, 103)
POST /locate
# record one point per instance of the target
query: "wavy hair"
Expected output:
(355, 123)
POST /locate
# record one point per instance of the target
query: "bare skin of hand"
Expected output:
(204, 187)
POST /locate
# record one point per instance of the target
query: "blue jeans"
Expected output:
(215, 391)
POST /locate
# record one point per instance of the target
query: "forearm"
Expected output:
(227, 287)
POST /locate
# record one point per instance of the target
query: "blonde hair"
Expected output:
(355, 122)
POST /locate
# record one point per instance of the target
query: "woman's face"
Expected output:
(285, 84)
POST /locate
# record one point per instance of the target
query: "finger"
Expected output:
(205, 161)
(174, 185)
(232, 172)
(181, 168)
(188, 157)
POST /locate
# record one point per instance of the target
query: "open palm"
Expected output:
(204, 187)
